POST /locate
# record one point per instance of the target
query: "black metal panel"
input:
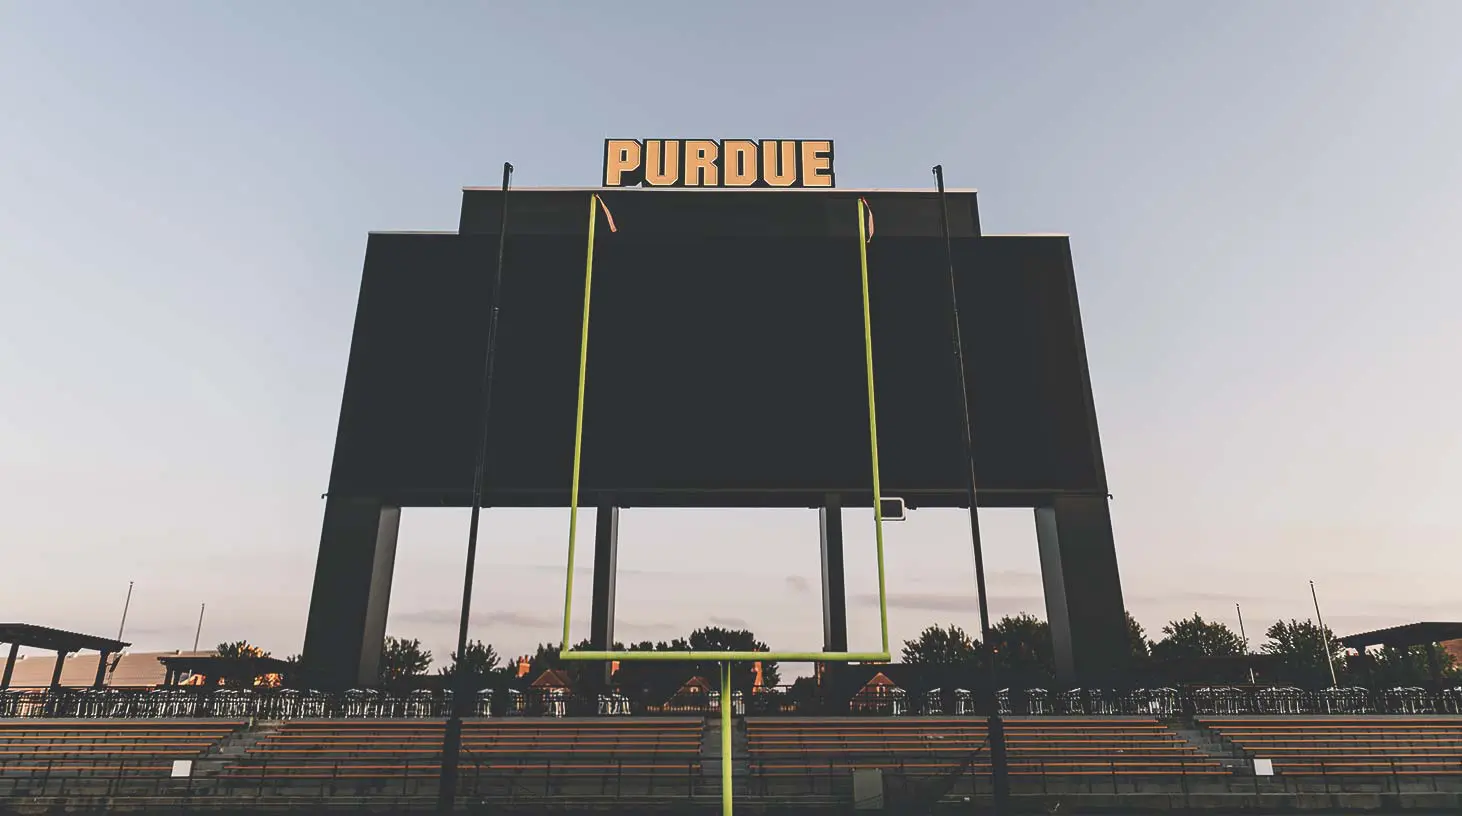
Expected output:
(723, 371)
(735, 213)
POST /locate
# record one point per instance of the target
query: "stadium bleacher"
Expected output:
(1045, 746)
(550, 756)
(520, 760)
(1356, 746)
(47, 750)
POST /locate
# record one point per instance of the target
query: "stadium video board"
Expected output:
(726, 365)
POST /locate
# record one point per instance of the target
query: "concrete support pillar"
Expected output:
(10, 665)
(606, 576)
(347, 623)
(60, 664)
(834, 585)
(101, 670)
(1083, 592)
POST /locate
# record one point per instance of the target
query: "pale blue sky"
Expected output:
(1263, 200)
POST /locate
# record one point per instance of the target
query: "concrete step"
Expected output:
(1210, 744)
(711, 752)
(232, 748)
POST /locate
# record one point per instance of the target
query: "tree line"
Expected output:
(403, 660)
(1296, 652)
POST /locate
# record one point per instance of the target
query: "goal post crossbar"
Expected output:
(883, 656)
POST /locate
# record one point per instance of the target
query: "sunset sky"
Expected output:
(1263, 199)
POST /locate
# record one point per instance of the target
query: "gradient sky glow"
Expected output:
(1263, 200)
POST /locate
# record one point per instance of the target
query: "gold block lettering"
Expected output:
(779, 162)
(662, 162)
(739, 166)
(817, 163)
(702, 163)
(622, 159)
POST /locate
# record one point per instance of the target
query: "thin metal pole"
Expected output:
(199, 633)
(1324, 638)
(999, 769)
(726, 792)
(452, 736)
(1245, 636)
(125, 605)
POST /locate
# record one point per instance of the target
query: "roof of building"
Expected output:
(44, 637)
(1411, 634)
(132, 670)
(210, 664)
(726, 190)
(552, 678)
(1454, 648)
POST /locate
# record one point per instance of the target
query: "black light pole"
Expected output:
(452, 737)
(127, 604)
(996, 727)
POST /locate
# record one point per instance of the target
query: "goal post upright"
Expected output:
(565, 652)
(568, 598)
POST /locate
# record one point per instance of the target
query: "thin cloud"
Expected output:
(152, 631)
(516, 620)
(647, 628)
(520, 620)
(949, 602)
(1198, 598)
(634, 572)
(1018, 576)
(729, 623)
(798, 584)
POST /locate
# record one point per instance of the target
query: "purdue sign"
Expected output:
(711, 163)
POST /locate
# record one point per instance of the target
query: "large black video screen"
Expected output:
(721, 371)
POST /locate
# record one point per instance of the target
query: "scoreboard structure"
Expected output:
(727, 367)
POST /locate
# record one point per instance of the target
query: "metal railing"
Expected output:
(248, 778)
(625, 780)
(884, 701)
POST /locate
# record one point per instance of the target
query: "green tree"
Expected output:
(402, 659)
(657, 681)
(652, 682)
(1195, 637)
(743, 676)
(1392, 667)
(293, 676)
(1023, 647)
(1304, 650)
(239, 650)
(480, 661)
(941, 646)
(546, 658)
(1137, 641)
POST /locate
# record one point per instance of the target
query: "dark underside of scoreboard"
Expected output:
(726, 357)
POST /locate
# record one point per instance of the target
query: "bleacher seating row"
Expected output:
(1045, 746)
(327, 750)
(101, 748)
(665, 754)
(1347, 745)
